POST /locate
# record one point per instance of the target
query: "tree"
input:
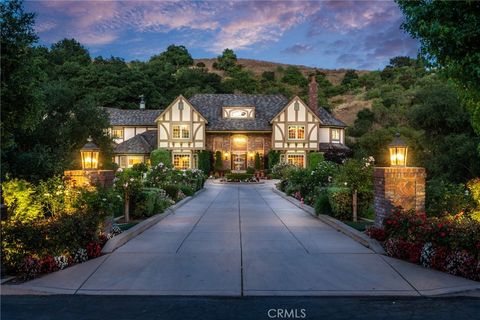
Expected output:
(218, 165)
(293, 76)
(177, 56)
(258, 163)
(227, 61)
(448, 33)
(350, 79)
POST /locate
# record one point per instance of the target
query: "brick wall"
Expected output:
(226, 144)
(398, 186)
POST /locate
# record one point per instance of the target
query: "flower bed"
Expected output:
(53, 224)
(450, 244)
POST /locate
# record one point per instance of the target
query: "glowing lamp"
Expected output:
(89, 153)
(398, 152)
(226, 154)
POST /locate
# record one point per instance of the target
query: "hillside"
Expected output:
(258, 67)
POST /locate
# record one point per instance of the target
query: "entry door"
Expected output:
(238, 162)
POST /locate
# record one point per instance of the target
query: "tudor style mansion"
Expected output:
(237, 125)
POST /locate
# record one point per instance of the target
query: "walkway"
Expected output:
(245, 240)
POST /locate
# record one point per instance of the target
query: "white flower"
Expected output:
(103, 199)
(131, 179)
(345, 183)
(119, 197)
(120, 170)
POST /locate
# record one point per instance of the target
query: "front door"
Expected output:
(238, 162)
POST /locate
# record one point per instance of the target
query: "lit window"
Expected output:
(123, 161)
(296, 132)
(335, 135)
(181, 161)
(117, 133)
(132, 160)
(181, 132)
(296, 159)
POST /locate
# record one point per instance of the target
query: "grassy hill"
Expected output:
(258, 67)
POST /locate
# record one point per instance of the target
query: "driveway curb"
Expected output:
(119, 240)
(336, 224)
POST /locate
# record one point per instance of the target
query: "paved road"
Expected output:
(185, 308)
(239, 240)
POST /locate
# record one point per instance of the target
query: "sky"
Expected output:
(324, 34)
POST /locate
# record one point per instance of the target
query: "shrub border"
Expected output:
(119, 240)
(356, 235)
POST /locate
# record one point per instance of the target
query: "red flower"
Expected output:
(442, 234)
(440, 225)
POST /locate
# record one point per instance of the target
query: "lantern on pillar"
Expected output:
(89, 153)
(398, 152)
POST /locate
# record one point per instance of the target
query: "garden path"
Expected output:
(245, 240)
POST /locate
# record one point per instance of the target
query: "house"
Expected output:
(237, 125)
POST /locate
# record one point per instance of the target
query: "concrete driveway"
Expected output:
(245, 240)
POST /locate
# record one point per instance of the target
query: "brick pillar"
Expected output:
(313, 94)
(398, 187)
(83, 178)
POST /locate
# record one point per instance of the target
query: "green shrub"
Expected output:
(205, 161)
(140, 167)
(19, 197)
(445, 198)
(314, 158)
(474, 189)
(171, 191)
(161, 156)
(218, 165)
(322, 203)
(250, 170)
(238, 177)
(187, 190)
(273, 158)
(340, 201)
(258, 163)
(150, 202)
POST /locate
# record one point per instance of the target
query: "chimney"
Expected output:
(142, 103)
(313, 94)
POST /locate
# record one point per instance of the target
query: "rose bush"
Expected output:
(449, 243)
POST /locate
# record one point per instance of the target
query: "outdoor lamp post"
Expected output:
(90, 152)
(90, 175)
(398, 185)
(398, 152)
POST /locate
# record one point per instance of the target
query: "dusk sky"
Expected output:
(326, 34)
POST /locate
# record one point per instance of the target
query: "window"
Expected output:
(296, 132)
(296, 159)
(123, 161)
(181, 132)
(132, 160)
(239, 112)
(181, 161)
(117, 133)
(335, 134)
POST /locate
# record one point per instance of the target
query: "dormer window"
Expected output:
(238, 112)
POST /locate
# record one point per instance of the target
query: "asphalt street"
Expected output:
(68, 307)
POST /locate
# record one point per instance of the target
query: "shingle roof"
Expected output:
(142, 143)
(266, 108)
(323, 147)
(328, 119)
(132, 117)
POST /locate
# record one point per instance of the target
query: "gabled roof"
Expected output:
(266, 107)
(132, 117)
(180, 97)
(142, 143)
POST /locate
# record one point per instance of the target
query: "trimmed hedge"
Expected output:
(239, 176)
(314, 158)
(205, 161)
(161, 155)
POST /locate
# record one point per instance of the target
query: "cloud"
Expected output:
(261, 22)
(298, 49)
(345, 16)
